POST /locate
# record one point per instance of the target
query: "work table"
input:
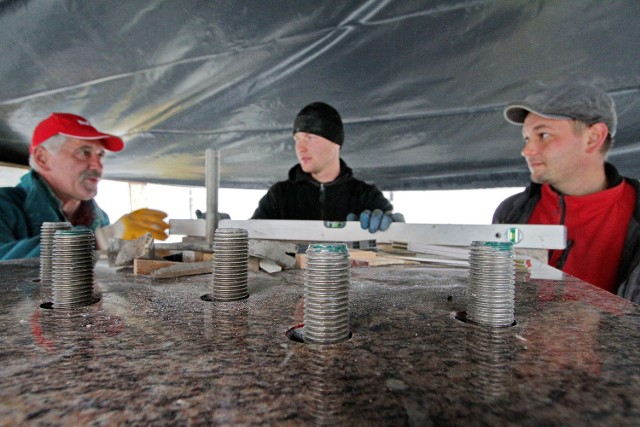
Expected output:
(155, 352)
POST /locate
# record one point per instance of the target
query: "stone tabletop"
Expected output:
(154, 352)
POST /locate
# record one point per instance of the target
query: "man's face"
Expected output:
(74, 172)
(314, 152)
(554, 150)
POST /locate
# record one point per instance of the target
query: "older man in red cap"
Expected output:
(66, 155)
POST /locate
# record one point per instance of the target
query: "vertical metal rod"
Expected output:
(212, 182)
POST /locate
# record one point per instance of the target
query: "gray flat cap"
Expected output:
(585, 103)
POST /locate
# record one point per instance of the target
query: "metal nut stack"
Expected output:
(328, 395)
(326, 293)
(491, 350)
(491, 284)
(47, 230)
(72, 277)
(230, 264)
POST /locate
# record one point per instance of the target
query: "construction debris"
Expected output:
(283, 253)
(123, 252)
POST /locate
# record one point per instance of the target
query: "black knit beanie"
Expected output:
(320, 119)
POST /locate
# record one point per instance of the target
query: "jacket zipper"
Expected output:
(322, 200)
(565, 254)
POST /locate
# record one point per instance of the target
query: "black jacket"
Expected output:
(302, 197)
(518, 208)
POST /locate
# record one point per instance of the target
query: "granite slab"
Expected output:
(154, 352)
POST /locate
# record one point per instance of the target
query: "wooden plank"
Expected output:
(181, 269)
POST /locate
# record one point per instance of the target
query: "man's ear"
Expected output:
(41, 157)
(597, 134)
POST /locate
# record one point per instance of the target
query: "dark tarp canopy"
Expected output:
(420, 84)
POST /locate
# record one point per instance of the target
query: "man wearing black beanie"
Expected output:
(322, 186)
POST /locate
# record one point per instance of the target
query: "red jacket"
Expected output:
(518, 209)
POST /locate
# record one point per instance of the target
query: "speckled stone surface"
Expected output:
(155, 353)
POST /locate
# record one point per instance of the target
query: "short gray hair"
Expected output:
(580, 126)
(52, 145)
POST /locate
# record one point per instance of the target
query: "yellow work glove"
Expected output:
(134, 225)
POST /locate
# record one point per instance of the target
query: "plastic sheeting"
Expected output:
(420, 84)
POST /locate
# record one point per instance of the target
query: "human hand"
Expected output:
(133, 225)
(141, 221)
(376, 220)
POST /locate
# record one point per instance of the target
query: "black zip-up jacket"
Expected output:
(518, 208)
(302, 197)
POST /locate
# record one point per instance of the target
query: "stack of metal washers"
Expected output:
(327, 395)
(230, 264)
(73, 259)
(47, 230)
(326, 293)
(491, 283)
(226, 325)
(491, 350)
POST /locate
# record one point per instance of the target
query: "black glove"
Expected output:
(203, 215)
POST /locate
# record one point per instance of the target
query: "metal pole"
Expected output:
(212, 182)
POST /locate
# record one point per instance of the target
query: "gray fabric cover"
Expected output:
(420, 85)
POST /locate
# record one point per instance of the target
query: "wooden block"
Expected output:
(301, 261)
(254, 263)
(360, 254)
(148, 266)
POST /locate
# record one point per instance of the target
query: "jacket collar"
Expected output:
(613, 178)
(297, 175)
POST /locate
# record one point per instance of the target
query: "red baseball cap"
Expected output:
(73, 126)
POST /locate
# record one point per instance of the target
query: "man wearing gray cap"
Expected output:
(322, 186)
(567, 133)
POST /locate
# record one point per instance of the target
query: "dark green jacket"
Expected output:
(25, 207)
